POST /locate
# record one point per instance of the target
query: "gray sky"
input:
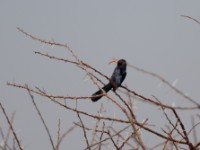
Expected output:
(148, 34)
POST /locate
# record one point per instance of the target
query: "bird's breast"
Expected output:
(117, 77)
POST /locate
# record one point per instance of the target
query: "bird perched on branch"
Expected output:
(116, 79)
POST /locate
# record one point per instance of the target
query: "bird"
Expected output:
(118, 76)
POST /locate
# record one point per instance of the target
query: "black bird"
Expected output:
(116, 79)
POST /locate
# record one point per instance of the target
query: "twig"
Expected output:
(83, 127)
(73, 62)
(193, 129)
(195, 20)
(7, 136)
(120, 136)
(40, 115)
(11, 127)
(147, 99)
(49, 42)
(96, 125)
(125, 141)
(108, 137)
(38, 91)
(183, 129)
(113, 140)
(101, 136)
(58, 135)
(170, 122)
(166, 82)
(65, 134)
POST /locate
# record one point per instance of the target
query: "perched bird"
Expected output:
(116, 79)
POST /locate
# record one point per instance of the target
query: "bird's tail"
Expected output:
(106, 88)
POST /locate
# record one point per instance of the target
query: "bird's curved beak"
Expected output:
(113, 61)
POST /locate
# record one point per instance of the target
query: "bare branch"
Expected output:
(84, 131)
(40, 115)
(195, 20)
(167, 83)
(11, 127)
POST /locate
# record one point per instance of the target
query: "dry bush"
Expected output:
(126, 134)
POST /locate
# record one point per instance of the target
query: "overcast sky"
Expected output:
(148, 34)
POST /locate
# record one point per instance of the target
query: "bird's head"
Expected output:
(120, 62)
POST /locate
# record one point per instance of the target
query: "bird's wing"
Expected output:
(123, 76)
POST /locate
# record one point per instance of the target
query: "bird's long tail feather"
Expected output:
(106, 88)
